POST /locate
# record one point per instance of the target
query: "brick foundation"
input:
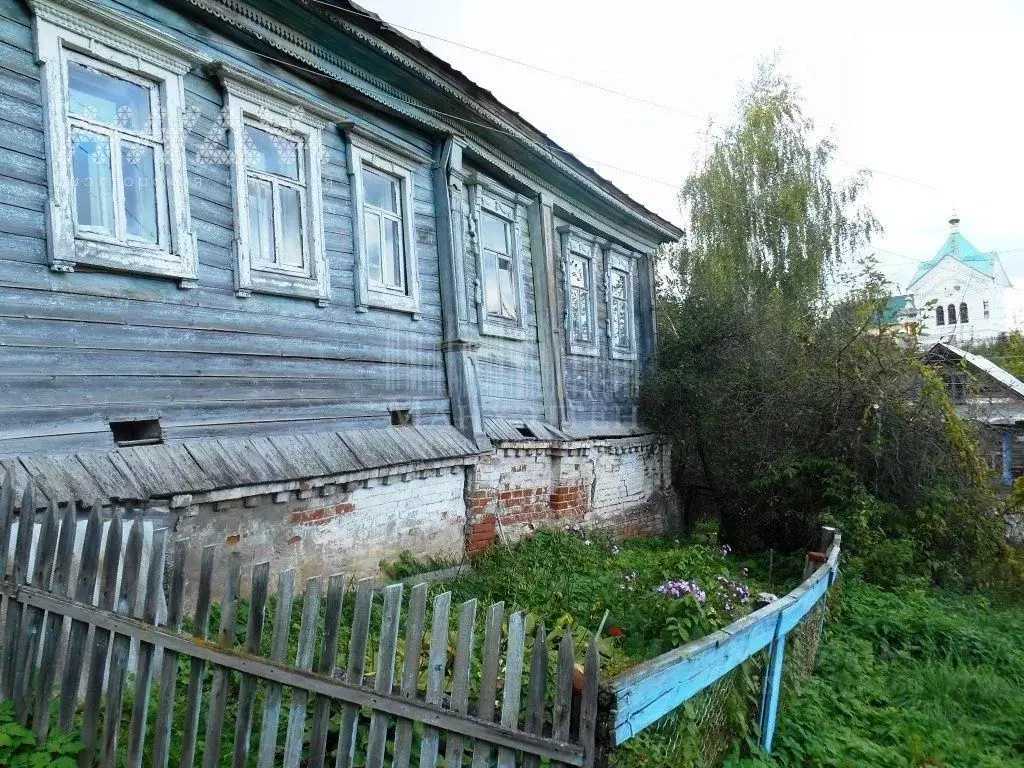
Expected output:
(621, 485)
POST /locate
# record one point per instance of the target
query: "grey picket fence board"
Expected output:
(402, 694)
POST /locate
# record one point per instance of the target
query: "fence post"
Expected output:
(773, 683)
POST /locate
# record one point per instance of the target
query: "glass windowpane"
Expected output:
(374, 236)
(261, 221)
(494, 233)
(506, 283)
(94, 188)
(380, 191)
(98, 96)
(579, 272)
(618, 285)
(291, 226)
(270, 153)
(395, 276)
(492, 291)
(138, 172)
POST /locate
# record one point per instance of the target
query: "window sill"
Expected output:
(503, 331)
(283, 284)
(390, 301)
(583, 350)
(621, 354)
(132, 259)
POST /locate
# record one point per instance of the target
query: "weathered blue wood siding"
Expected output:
(509, 369)
(600, 389)
(82, 349)
(77, 350)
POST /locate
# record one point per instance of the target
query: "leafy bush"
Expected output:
(20, 748)
(782, 390)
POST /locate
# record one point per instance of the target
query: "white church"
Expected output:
(959, 296)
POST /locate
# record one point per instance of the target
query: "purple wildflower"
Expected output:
(733, 590)
(679, 588)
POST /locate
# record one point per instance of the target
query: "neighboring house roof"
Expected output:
(894, 310)
(960, 248)
(979, 363)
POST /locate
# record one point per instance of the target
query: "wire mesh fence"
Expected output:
(701, 732)
(680, 711)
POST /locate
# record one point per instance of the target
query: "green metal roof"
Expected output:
(890, 314)
(959, 248)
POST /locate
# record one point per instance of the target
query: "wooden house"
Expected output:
(991, 397)
(279, 273)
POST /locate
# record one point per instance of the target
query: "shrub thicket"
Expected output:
(778, 383)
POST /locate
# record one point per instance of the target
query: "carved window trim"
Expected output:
(365, 148)
(485, 195)
(579, 244)
(66, 29)
(275, 111)
(617, 260)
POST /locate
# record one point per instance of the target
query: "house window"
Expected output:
(113, 119)
(499, 272)
(951, 314)
(116, 150)
(984, 309)
(275, 149)
(381, 176)
(579, 254)
(495, 233)
(619, 282)
(277, 193)
(964, 317)
(382, 228)
(580, 290)
(940, 316)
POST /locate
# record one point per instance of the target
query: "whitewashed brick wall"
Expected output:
(350, 530)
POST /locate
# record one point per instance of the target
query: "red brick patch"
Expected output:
(482, 535)
(320, 515)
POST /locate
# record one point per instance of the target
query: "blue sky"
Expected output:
(927, 94)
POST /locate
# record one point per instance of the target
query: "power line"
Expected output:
(595, 86)
(549, 146)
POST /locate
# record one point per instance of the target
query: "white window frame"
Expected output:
(251, 102)
(390, 159)
(67, 30)
(485, 195)
(578, 243)
(618, 260)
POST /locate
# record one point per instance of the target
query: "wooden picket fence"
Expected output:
(73, 646)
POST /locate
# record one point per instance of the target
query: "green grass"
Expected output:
(569, 580)
(909, 678)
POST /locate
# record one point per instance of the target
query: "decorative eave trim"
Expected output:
(252, 21)
(578, 240)
(319, 59)
(317, 483)
(541, 151)
(368, 140)
(278, 98)
(126, 35)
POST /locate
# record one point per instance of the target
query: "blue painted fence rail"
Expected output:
(655, 688)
